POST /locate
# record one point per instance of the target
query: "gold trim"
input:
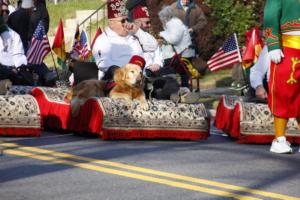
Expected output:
(291, 41)
(292, 80)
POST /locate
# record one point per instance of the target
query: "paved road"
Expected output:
(217, 168)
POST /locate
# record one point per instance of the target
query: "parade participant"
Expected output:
(190, 14)
(131, 4)
(141, 19)
(282, 28)
(22, 15)
(120, 40)
(260, 74)
(177, 41)
(12, 54)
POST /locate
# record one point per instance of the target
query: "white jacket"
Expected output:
(176, 34)
(14, 54)
(112, 49)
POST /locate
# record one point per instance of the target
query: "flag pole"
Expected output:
(53, 58)
(240, 58)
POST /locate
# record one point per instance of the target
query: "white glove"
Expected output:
(276, 55)
(6, 40)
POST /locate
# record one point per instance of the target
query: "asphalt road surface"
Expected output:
(68, 166)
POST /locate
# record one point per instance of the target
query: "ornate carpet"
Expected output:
(164, 119)
(250, 122)
(113, 119)
(19, 116)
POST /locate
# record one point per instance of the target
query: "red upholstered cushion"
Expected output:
(55, 111)
(163, 120)
(249, 122)
(19, 116)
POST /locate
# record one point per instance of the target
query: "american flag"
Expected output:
(86, 50)
(226, 55)
(39, 46)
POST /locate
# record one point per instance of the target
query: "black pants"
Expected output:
(7, 72)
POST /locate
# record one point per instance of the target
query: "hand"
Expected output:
(260, 92)
(276, 55)
(154, 67)
(160, 41)
(131, 27)
(190, 30)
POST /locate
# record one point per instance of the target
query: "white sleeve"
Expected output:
(18, 54)
(260, 69)
(101, 53)
(158, 57)
(173, 32)
(148, 42)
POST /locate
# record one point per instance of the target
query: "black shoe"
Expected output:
(50, 78)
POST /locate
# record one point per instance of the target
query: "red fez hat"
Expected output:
(140, 12)
(138, 60)
(116, 8)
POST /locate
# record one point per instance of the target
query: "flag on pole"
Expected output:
(58, 45)
(81, 49)
(76, 48)
(39, 46)
(254, 45)
(98, 32)
(85, 46)
(226, 55)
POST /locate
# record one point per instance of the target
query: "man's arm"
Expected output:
(201, 20)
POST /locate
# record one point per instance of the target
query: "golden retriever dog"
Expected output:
(84, 90)
(129, 85)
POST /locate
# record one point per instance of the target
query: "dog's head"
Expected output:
(130, 75)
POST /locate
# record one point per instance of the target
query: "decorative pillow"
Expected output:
(250, 122)
(164, 119)
(55, 111)
(19, 116)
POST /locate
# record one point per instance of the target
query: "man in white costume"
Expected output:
(259, 72)
(121, 40)
(12, 57)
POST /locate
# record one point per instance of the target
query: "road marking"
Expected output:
(155, 172)
(130, 175)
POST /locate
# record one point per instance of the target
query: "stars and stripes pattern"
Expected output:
(39, 46)
(226, 55)
(81, 49)
(86, 50)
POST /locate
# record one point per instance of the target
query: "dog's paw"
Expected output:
(144, 106)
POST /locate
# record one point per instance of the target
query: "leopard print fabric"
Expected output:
(19, 111)
(162, 115)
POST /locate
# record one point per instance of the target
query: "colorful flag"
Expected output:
(98, 32)
(85, 46)
(254, 45)
(76, 48)
(58, 45)
(226, 55)
(39, 46)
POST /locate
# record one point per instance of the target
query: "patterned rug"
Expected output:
(164, 119)
(19, 116)
(250, 122)
(114, 119)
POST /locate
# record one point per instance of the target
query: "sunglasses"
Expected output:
(124, 20)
